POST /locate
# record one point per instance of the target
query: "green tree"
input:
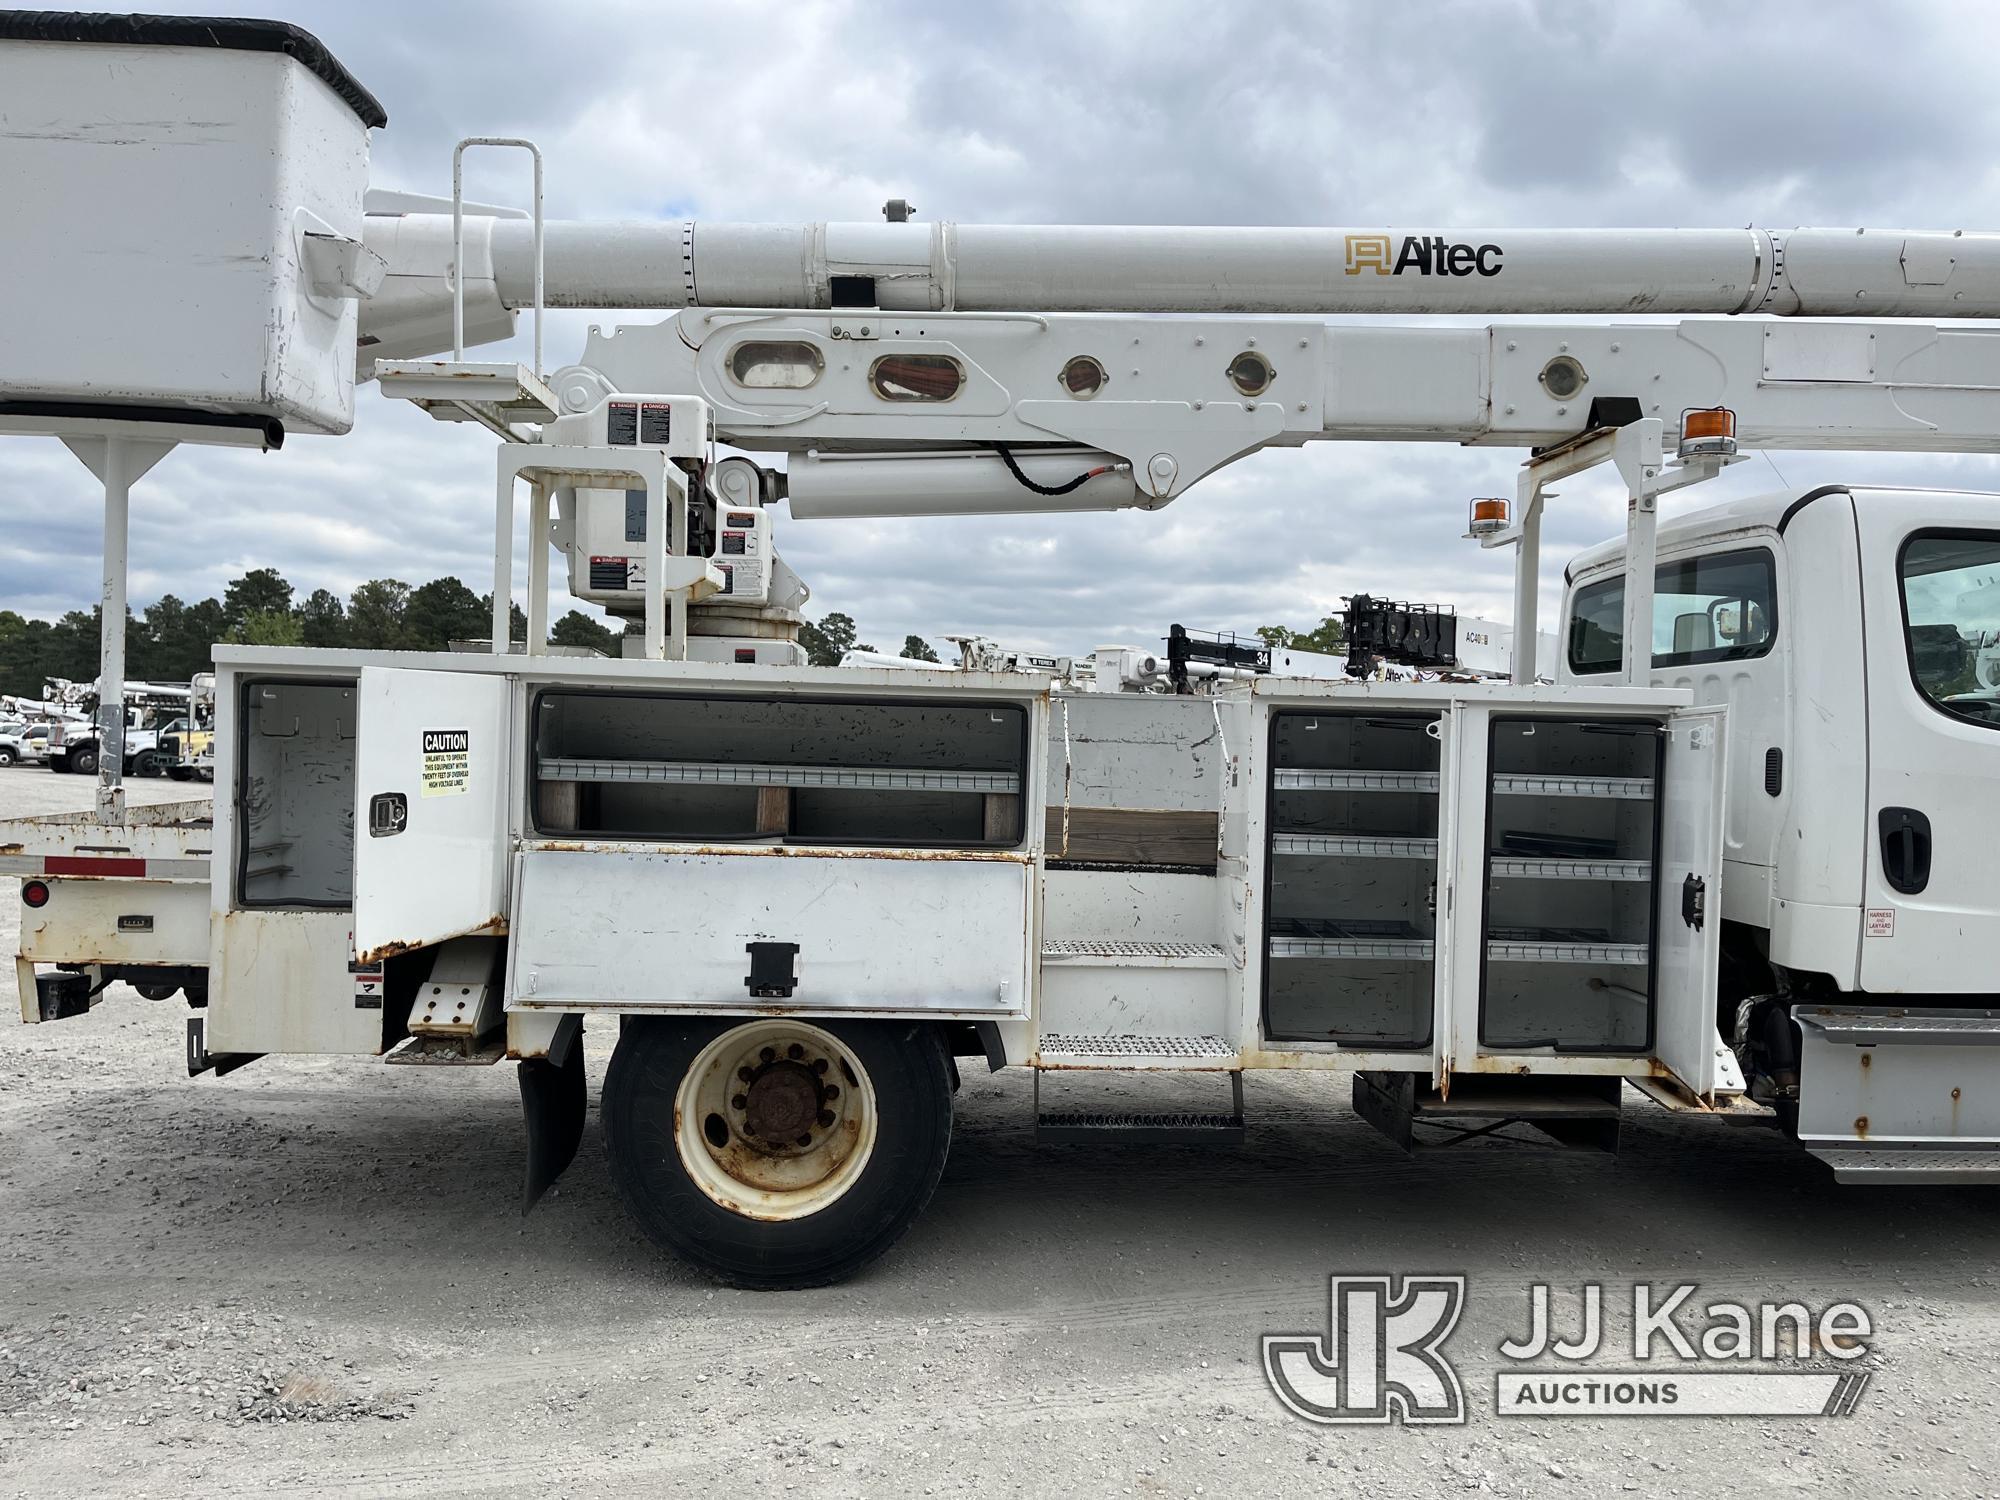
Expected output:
(442, 611)
(375, 615)
(259, 591)
(577, 629)
(1328, 638)
(24, 654)
(828, 641)
(268, 627)
(323, 619)
(916, 648)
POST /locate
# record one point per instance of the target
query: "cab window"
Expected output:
(1951, 621)
(1722, 607)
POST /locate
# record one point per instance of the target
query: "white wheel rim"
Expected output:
(775, 1119)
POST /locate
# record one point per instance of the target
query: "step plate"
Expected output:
(1129, 1053)
(1150, 1130)
(1942, 1166)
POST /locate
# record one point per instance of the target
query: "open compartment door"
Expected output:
(430, 815)
(1689, 919)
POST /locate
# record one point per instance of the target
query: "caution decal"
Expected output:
(447, 768)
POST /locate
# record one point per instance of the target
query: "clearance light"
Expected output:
(34, 893)
(1487, 516)
(1709, 432)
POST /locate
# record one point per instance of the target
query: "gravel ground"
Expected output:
(311, 1277)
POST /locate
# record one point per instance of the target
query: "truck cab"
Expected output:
(1854, 634)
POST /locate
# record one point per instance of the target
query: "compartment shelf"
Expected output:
(1562, 945)
(710, 773)
(1353, 846)
(1514, 867)
(1355, 781)
(1308, 937)
(1625, 788)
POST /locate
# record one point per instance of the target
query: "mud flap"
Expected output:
(553, 1099)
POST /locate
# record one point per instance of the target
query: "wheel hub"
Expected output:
(782, 1102)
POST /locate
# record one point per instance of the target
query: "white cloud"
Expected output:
(1114, 111)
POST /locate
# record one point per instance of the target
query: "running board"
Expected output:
(1911, 1166)
(1581, 1113)
(1901, 1093)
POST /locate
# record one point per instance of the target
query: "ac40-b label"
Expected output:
(447, 764)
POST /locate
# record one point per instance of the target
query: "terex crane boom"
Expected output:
(1491, 901)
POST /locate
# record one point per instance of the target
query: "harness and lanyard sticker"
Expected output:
(447, 768)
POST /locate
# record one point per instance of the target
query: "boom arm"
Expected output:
(1181, 396)
(946, 267)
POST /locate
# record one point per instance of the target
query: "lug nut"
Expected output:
(819, 1065)
(768, 1054)
(740, 1101)
(826, 1117)
(745, 1074)
(795, 1052)
(805, 1140)
(829, 1091)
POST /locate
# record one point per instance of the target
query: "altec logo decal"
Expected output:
(1421, 254)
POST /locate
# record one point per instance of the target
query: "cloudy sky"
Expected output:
(1503, 113)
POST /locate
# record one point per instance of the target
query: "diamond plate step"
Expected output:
(1918, 1165)
(1132, 1053)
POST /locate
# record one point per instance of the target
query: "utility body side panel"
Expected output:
(878, 933)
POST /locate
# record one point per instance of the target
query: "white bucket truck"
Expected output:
(791, 899)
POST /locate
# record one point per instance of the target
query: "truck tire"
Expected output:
(83, 762)
(7, 755)
(181, 773)
(776, 1152)
(149, 763)
(59, 762)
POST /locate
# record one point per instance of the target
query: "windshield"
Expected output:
(1951, 621)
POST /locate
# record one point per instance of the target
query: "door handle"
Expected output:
(1906, 848)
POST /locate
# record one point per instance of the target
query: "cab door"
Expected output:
(431, 831)
(1931, 605)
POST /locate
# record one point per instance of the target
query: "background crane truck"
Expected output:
(1730, 858)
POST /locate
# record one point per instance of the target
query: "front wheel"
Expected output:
(776, 1153)
(83, 762)
(7, 755)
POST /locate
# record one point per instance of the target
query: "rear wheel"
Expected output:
(777, 1152)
